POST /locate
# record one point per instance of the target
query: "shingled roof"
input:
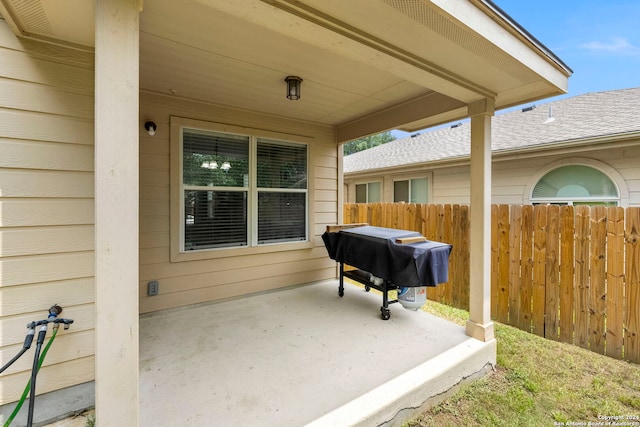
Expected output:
(580, 119)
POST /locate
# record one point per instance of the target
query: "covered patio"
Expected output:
(90, 78)
(293, 357)
(300, 356)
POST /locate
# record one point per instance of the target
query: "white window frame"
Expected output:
(178, 252)
(575, 200)
(611, 173)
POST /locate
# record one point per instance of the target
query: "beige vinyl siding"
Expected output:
(46, 207)
(195, 281)
(627, 162)
(451, 185)
(511, 175)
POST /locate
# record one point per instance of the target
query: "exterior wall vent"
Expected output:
(32, 17)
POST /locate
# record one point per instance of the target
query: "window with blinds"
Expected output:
(282, 192)
(242, 190)
(575, 185)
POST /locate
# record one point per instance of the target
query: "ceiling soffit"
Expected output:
(460, 42)
(49, 21)
(443, 25)
(211, 56)
(459, 50)
(327, 29)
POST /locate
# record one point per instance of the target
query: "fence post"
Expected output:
(538, 294)
(567, 262)
(552, 273)
(526, 268)
(582, 276)
(515, 225)
(502, 295)
(597, 279)
(632, 286)
(615, 282)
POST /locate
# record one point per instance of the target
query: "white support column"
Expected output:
(116, 212)
(479, 325)
(342, 195)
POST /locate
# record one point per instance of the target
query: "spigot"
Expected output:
(55, 310)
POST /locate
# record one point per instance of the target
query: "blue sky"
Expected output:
(598, 39)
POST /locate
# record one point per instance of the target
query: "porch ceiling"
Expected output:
(367, 65)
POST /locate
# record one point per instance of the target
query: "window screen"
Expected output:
(420, 190)
(361, 193)
(373, 193)
(401, 191)
(368, 193)
(281, 217)
(222, 201)
(411, 191)
(282, 195)
(215, 160)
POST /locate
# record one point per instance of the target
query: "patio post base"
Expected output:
(480, 332)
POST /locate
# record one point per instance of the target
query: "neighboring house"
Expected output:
(579, 150)
(230, 189)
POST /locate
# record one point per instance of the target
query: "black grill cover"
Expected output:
(374, 249)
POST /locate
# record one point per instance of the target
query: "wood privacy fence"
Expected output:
(569, 274)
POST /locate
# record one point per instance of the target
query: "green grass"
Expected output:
(538, 382)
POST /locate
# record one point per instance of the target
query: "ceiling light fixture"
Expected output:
(293, 87)
(209, 165)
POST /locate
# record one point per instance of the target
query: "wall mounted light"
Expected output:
(293, 87)
(151, 128)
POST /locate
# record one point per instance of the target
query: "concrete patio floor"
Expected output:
(300, 356)
(294, 357)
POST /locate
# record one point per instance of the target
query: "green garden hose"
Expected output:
(28, 387)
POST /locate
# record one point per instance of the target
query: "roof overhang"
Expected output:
(368, 65)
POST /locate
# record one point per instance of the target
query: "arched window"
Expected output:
(576, 185)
